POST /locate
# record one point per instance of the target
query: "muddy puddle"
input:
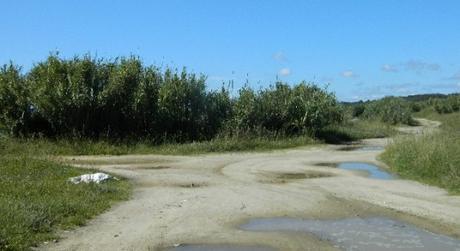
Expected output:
(373, 171)
(288, 177)
(212, 247)
(376, 233)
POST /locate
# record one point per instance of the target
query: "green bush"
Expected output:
(94, 98)
(285, 109)
(85, 97)
(15, 109)
(448, 105)
(389, 110)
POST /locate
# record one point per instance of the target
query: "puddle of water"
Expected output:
(155, 167)
(291, 176)
(374, 171)
(212, 247)
(325, 164)
(376, 234)
(371, 148)
(286, 177)
(348, 148)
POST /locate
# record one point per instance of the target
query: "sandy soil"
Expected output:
(203, 199)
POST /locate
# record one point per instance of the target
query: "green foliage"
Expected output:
(15, 111)
(433, 159)
(114, 100)
(358, 109)
(93, 98)
(244, 142)
(355, 130)
(448, 105)
(286, 110)
(389, 110)
(182, 105)
(430, 158)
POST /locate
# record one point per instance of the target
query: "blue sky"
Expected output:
(362, 49)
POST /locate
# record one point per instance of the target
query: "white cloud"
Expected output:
(280, 57)
(420, 66)
(285, 72)
(389, 68)
(349, 74)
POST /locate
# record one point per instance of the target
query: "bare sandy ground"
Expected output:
(203, 199)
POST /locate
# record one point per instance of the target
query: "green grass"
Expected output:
(87, 147)
(432, 158)
(356, 130)
(36, 200)
(350, 131)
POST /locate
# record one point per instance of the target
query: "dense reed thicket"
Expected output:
(447, 105)
(390, 110)
(122, 98)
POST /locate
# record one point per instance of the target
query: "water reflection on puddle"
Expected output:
(376, 233)
(374, 171)
(371, 148)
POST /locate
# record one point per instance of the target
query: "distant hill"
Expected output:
(414, 98)
(424, 97)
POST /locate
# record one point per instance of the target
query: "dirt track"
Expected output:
(203, 199)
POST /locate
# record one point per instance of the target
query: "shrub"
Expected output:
(15, 107)
(390, 110)
(286, 110)
(85, 97)
(448, 105)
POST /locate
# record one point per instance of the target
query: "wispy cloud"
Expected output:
(280, 57)
(420, 66)
(284, 72)
(456, 76)
(349, 74)
(389, 68)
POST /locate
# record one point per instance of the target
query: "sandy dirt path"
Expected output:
(203, 199)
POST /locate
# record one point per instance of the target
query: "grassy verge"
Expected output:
(432, 158)
(351, 131)
(88, 147)
(356, 130)
(36, 199)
